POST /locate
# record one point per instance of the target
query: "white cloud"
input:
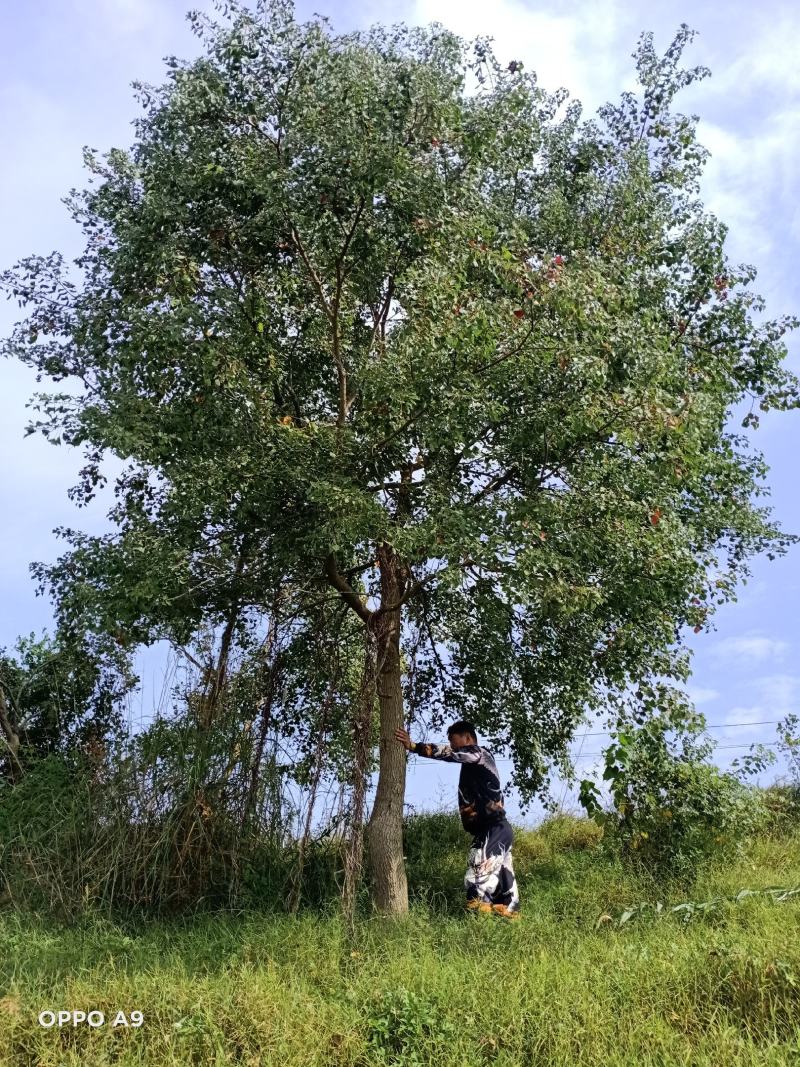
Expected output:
(576, 50)
(747, 176)
(699, 695)
(778, 692)
(742, 716)
(124, 18)
(774, 696)
(749, 649)
(769, 61)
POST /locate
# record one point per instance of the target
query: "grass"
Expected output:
(438, 987)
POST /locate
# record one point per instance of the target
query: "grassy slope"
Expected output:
(437, 988)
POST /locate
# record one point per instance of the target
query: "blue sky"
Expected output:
(65, 82)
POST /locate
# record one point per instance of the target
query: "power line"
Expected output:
(767, 744)
(711, 726)
(430, 763)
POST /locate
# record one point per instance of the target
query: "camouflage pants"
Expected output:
(490, 875)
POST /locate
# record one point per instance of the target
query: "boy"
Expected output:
(489, 882)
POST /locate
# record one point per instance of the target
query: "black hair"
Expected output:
(462, 727)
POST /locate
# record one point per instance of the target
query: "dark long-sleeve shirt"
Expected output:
(480, 798)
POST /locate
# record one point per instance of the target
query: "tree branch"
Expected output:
(495, 483)
(379, 315)
(312, 271)
(345, 591)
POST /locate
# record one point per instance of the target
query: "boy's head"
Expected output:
(462, 733)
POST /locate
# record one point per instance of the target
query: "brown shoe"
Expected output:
(478, 905)
(505, 911)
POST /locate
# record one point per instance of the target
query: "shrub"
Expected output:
(46, 830)
(161, 824)
(569, 833)
(405, 1029)
(530, 851)
(435, 847)
(671, 811)
(782, 804)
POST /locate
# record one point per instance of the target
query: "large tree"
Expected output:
(443, 351)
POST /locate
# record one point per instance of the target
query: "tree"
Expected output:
(57, 695)
(458, 359)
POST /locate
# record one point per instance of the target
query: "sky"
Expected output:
(66, 69)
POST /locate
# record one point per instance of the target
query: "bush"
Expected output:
(671, 811)
(436, 847)
(782, 804)
(46, 828)
(568, 833)
(162, 823)
(406, 1029)
(69, 841)
(531, 850)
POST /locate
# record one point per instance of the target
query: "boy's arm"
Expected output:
(468, 754)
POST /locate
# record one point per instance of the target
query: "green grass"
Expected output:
(438, 987)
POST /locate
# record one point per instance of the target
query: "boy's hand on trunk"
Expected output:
(404, 739)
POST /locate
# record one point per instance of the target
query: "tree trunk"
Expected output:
(385, 827)
(362, 737)
(273, 656)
